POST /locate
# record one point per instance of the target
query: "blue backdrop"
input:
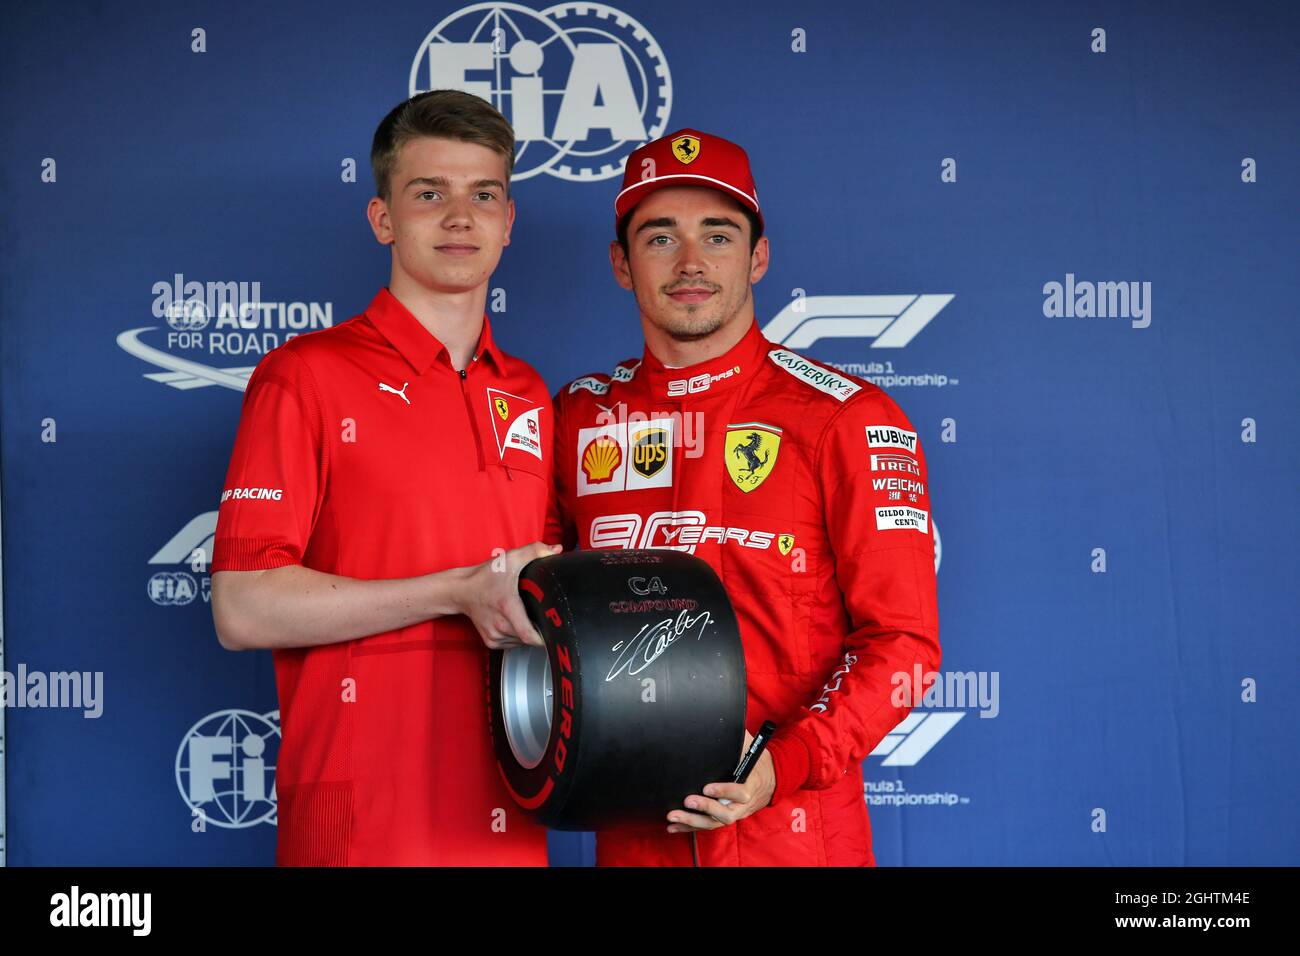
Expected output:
(1113, 462)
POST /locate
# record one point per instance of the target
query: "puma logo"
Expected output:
(401, 394)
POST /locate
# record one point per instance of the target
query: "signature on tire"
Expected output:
(653, 640)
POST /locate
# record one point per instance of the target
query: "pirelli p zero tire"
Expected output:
(638, 698)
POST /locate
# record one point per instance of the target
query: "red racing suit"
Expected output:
(806, 491)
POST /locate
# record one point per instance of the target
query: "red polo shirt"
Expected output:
(362, 452)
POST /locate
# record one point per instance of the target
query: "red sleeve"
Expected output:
(273, 486)
(559, 514)
(876, 502)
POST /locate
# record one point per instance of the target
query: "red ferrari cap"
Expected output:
(687, 158)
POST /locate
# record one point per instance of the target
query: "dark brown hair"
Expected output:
(450, 114)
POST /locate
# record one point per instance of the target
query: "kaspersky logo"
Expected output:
(891, 321)
(583, 84)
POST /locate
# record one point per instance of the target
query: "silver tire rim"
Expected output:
(526, 697)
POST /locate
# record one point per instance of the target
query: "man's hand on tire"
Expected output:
(722, 804)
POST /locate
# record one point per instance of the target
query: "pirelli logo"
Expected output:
(887, 436)
(822, 379)
(903, 463)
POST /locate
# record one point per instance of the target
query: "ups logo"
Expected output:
(650, 450)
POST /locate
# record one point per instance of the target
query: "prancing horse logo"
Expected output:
(686, 149)
(401, 394)
(753, 441)
(753, 449)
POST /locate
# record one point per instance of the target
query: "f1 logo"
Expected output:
(914, 736)
(891, 320)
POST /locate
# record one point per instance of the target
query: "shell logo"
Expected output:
(600, 458)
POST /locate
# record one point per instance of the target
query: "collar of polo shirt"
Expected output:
(420, 347)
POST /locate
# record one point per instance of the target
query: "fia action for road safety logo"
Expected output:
(751, 449)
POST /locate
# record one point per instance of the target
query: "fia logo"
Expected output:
(190, 547)
(583, 84)
(225, 768)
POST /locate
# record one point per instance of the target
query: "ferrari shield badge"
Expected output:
(686, 149)
(751, 450)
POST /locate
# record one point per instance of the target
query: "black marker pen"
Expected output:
(755, 751)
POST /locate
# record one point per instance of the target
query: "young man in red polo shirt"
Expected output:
(389, 479)
(805, 489)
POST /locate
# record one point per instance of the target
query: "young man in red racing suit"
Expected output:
(805, 489)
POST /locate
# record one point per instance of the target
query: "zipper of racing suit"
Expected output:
(700, 436)
(678, 479)
(473, 425)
